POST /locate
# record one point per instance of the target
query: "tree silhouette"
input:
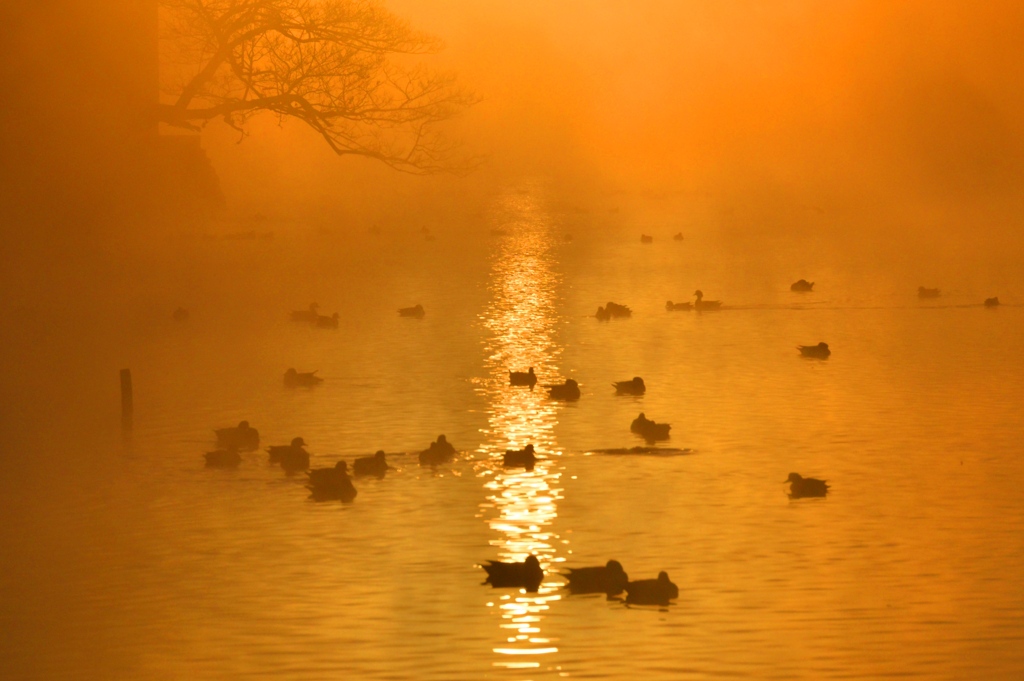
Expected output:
(343, 67)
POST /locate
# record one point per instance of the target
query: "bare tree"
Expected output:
(343, 67)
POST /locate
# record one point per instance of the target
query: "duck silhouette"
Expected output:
(520, 458)
(293, 378)
(327, 484)
(522, 378)
(652, 591)
(633, 387)
(308, 316)
(819, 351)
(223, 458)
(241, 437)
(570, 390)
(292, 457)
(701, 304)
(617, 310)
(439, 451)
(675, 307)
(649, 430)
(923, 292)
(325, 322)
(802, 286)
(678, 236)
(992, 302)
(608, 579)
(417, 312)
(644, 239)
(602, 314)
(800, 486)
(526, 575)
(376, 465)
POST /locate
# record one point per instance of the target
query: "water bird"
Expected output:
(652, 591)
(617, 310)
(992, 302)
(633, 387)
(223, 458)
(292, 457)
(702, 304)
(325, 322)
(416, 312)
(800, 486)
(570, 390)
(802, 286)
(520, 458)
(308, 316)
(644, 239)
(522, 378)
(241, 437)
(327, 484)
(678, 236)
(180, 315)
(602, 314)
(527, 575)
(819, 351)
(371, 465)
(673, 307)
(923, 292)
(608, 579)
(439, 451)
(649, 430)
(293, 378)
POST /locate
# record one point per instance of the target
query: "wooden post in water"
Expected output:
(127, 401)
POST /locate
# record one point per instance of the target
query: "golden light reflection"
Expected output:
(521, 322)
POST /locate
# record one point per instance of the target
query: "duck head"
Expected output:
(298, 442)
(528, 449)
(699, 294)
(571, 383)
(379, 455)
(823, 345)
(441, 439)
(663, 576)
(243, 425)
(638, 381)
(341, 466)
(531, 561)
(794, 477)
(615, 566)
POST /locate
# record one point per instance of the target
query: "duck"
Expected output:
(649, 430)
(678, 236)
(652, 591)
(526, 575)
(923, 292)
(223, 458)
(633, 387)
(522, 378)
(520, 458)
(308, 316)
(673, 307)
(617, 310)
(992, 302)
(702, 304)
(602, 314)
(371, 465)
(644, 239)
(802, 286)
(241, 437)
(819, 351)
(608, 579)
(800, 486)
(292, 457)
(325, 322)
(570, 390)
(327, 484)
(293, 378)
(181, 315)
(416, 312)
(439, 451)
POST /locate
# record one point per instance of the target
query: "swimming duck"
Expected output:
(602, 314)
(634, 387)
(293, 378)
(608, 579)
(570, 390)
(292, 457)
(180, 315)
(673, 307)
(702, 304)
(802, 286)
(819, 351)
(223, 458)
(652, 591)
(800, 486)
(617, 310)
(644, 239)
(325, 322)
(371, 465)
(308, 316)
(240, 437)
(416, 312)
(649, 430)
(678, 236)
(923, 292)
(522, 378)
(331, 483)
(527, 575)
(439, 452)
(520, 458)
(991, 302)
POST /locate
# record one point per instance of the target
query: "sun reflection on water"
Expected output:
(521, 505)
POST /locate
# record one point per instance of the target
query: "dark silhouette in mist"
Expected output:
(645, 239)
(570, 390)
(325, 322)
(800, 486)
(294, 379)
(376, 465)
(613, 310)
(802, 286)
(440, 451)
(704, 305)
(992, 302)
(674, 307)
(416, 312)
(241, 437)
(923, 292)
(292, 457)
(678, 236)
(633, 387)
(522, 378)
(520, 458)
(331, 484)
(223, 458)
(652, 591)
(309, 316)
(526, 575)
(819, 351)
(649, 430)
(610, 579)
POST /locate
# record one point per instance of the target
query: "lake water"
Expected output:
(124, 558)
